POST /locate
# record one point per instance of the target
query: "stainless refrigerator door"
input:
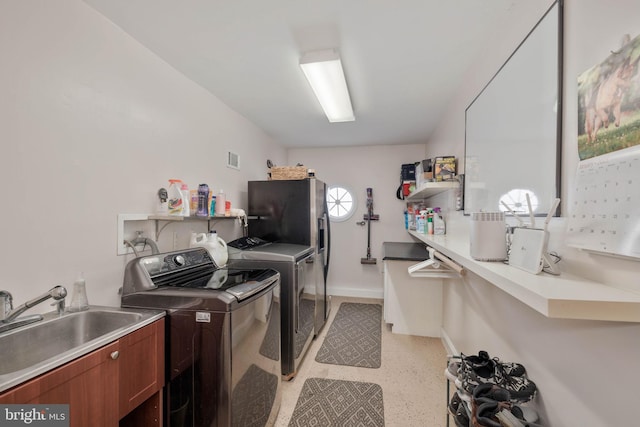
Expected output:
(281, 211)
(295, 211)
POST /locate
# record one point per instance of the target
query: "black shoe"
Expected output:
(460, 415)
(476, 370)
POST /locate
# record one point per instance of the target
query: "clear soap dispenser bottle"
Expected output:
(79, 301)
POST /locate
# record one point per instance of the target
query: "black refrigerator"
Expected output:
(295, 211)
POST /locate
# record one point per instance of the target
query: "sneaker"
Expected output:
(492, 404)
(483, 363)
(488, 391)
(520, 388)
(485, 414)
(454, 403)
(488, 401)
(452, 371)
(458, 410)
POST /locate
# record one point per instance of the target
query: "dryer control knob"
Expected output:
(179, 260)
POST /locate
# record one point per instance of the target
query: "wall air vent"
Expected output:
(233, 160)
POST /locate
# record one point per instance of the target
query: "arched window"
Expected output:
(340, 202)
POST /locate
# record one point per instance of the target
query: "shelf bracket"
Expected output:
(433, 268)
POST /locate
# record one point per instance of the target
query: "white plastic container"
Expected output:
(220, 203)
(175, 201)
(214, 244)
(186, 200)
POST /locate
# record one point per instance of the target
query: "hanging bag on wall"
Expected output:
(407, 175)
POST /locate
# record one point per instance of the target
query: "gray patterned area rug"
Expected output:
(354, 338)
(337, 403)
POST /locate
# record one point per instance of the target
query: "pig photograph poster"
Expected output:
(609, 102)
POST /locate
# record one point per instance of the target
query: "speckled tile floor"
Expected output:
(411, 376)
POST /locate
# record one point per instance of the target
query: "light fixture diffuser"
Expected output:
(323, 70)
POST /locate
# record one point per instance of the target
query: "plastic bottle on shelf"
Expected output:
(212, 208)
(421, 222)
(220, 203)
(186, 200)
(439, 227)
(163, 206)
(430, 222)
(203, 200)
(193, 201)
(175, 201)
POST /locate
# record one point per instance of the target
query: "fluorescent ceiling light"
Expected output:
(323, 70)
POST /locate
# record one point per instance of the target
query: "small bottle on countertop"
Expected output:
(79, 301)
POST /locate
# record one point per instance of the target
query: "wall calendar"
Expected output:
(604, 211)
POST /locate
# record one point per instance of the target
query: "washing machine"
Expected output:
(297, 267)
(222, 337)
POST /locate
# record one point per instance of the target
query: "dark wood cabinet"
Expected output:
(142, 370)
(122, 380)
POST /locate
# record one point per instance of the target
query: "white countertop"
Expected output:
(564, 296)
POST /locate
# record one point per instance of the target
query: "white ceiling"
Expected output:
(403, 58)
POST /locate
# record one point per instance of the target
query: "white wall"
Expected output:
(585, 370)
(92, 124)
(358, 168)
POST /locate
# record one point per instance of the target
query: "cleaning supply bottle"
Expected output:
(193, 197)
(214, 244)
(203, 200)
(220, 203)
(217, 248)
(430, 222)
(439, 227)
(212, 208)
(421, 222)
(186, 200)
(174, 200)
(79, 301)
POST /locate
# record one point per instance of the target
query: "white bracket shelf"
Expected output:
(561, 297)
(429, 189)
(156, 228)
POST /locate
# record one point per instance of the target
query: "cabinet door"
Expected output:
(141, 365)
(88, 384)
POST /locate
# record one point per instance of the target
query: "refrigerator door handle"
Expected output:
(327, 247)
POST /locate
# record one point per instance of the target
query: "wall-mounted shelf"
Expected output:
(429, 189)
(158, 219)
(561, 297)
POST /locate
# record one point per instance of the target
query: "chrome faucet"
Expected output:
(9, 316)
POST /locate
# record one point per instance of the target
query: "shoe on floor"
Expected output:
(476, 370)
(491, 404)
(460, 414)
(482, 363)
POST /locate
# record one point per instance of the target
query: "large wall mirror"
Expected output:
(513, 128)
